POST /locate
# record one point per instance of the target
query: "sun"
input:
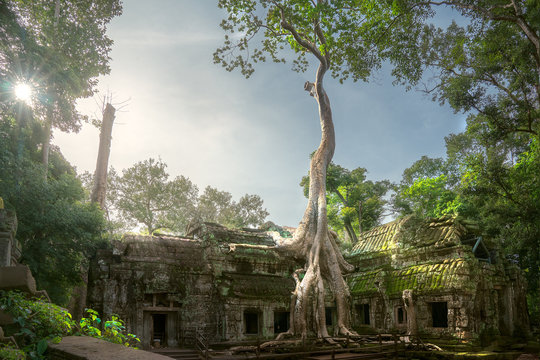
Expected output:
(23, 92)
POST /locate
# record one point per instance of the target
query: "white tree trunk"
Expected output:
(317, 244)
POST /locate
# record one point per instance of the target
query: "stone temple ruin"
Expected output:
(427, 278)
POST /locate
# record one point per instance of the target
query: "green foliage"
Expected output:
(355, 35)
(144, 195)
(488, 68)
(37, 322)
(60, 56)
(430, 197)
(112, 330)
(217, 206)
(58, 230)
(353, 201)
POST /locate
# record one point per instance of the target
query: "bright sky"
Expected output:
(244, 136)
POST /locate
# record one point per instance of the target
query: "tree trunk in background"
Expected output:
(360, 218)
(350, 231)
(99, 191)
(410, 309)
(77, 302)
(45, 148)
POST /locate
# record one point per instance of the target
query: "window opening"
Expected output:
(281, 321)
(362, 312)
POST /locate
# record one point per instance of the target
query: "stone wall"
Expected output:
(233, 285)
(459, 286)
(220, 286)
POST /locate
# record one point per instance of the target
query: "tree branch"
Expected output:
(306, 44)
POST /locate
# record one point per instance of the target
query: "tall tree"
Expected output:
(58, 230)
(324, 30)
(353, 201)
(62, 48)
(490, 69)
(144, 195)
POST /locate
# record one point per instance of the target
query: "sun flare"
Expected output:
(23, 92)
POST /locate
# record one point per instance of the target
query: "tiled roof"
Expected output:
(380, 238)
(448, 274)
(408, 232)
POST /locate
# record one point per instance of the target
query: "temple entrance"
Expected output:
(159, 330)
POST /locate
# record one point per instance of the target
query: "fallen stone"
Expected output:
(17, 277)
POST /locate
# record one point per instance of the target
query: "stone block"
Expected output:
(17, 278)
(5, 250)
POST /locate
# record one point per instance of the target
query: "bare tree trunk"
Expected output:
(77, 303)
(99, 191)
(350, 231)
(410, 308)
(360, 217)
(45, 148)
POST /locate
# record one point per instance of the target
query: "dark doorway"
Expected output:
(362, 312)
(401, 315)
(159, 329)
(329, 314)
(281, 321)
(439, 314)
(251, 321)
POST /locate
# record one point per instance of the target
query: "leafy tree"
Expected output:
(353, 201)
(427, 189)
(490, 69)
(60, 49)
(345, 38)
(144, 195)
(57, 229)
(217, 206)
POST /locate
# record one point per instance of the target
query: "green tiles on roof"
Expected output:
(448, 274)
(408, 232)
(378, 239)
(365, 282)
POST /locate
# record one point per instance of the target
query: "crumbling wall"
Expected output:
(208, 283)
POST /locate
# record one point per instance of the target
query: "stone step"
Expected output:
(178, 354)
(350, 356)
